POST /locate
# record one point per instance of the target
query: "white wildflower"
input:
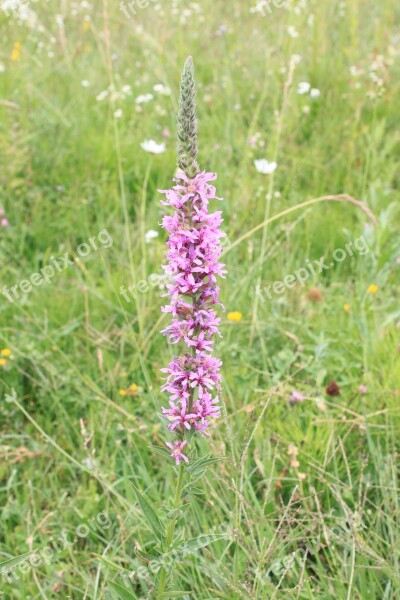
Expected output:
(100, 97)
(162, 89)
(355, 71)
(150, 235)
(264, 166)
(153, 147)
(292, 31)
(143, 98)
(303, 87)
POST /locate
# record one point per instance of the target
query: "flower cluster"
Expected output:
(3, 220)
(194, 249)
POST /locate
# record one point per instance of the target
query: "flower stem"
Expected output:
(171, 529)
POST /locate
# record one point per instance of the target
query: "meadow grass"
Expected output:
(307, 492)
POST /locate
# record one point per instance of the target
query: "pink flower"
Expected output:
(178, 416)
(362, 389)
(296, 397)
(177, 451)
(4, 222)
(201, 344)
(193, 254)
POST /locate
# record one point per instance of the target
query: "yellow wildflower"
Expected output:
(372, 289)
(5, 352)
(16, 52)
(3, 362)
(85, 25)
(234, 316)
(132, 390)
(347, 307)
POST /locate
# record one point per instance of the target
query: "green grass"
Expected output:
(327, 528)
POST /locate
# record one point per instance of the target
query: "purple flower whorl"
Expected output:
(194, 249)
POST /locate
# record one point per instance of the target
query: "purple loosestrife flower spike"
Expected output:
(187, 122)
(194, 248)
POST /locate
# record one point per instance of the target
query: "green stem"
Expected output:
(171, 529)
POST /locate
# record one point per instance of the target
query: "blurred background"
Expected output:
(296, 101)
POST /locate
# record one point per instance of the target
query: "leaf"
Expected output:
(175, 515)
(160, 450)
(149, 514)
(107, 562)
(201, 541)
(192, 490)
(203, 462)
(321, 374)
(196, 491)
(196, 464)
(111, 594)
(122, 591)
(175, 594)
(13, 562)
(197, 476)
(146, 556)
(180, 536)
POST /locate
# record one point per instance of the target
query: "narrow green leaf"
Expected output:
(146, 556)
(202, 463)
(149, 514)
(179, 536)
(13, 562)
(198, 475)
(175, 515)
(122, 591)
(195, 491)
(175, 594)
(111, 594)
(201, 541)
(160, 450)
